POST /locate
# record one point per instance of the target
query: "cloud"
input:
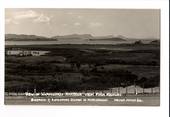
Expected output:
(42, 18)
(95, 24)
(79, 17)
(64, 25)
(77, 24)
(10, 21)
(25, 14)
(70, 13)
(7, 21)
(15, 22)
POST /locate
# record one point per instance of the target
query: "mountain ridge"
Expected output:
(73, 36)
(20, 37)
(26, 37)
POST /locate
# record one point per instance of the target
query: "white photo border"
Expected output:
(95, 111)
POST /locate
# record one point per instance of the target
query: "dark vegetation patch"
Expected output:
(83, 67)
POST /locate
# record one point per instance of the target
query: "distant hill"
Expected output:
(23, 37)
(74, 36)
(109, 39)
(90, 37)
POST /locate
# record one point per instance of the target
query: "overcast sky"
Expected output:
(134, 23)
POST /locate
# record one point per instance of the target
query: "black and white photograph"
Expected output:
(96, 57)
(84, 58)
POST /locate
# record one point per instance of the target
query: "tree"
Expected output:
(78, 65)
(138, 42)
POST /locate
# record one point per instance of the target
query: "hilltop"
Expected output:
(24, 37)
(74, 36)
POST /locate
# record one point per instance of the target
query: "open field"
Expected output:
(83, 67)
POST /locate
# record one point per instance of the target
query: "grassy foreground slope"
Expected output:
(83, 67)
